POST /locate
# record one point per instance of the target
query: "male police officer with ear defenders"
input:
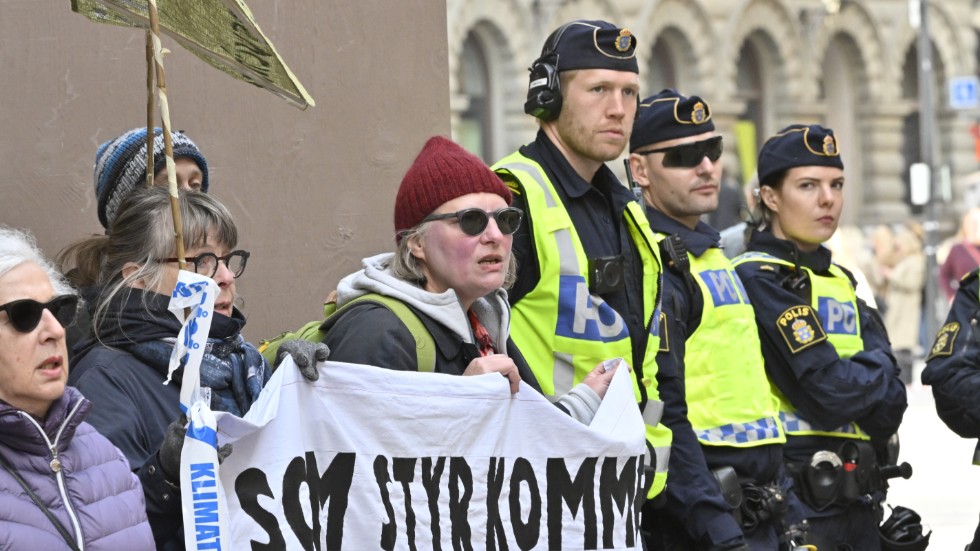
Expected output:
(587, 286)
(953, 368)
(710, 357)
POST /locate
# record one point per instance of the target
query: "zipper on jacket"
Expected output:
(56, 468)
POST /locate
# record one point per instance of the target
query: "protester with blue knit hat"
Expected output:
(721, 412)
(826, 352)
(120, 166)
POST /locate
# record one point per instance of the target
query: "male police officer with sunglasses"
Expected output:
(588, 268)
(710, 358)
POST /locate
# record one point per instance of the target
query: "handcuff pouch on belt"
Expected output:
(836, 478)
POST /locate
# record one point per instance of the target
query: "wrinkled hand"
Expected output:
(173, 443)
(496, 363)
(306, 355)
(599, 378)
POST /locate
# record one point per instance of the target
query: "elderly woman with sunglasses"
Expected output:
(62, 484)
(123, 367)
(454, 230)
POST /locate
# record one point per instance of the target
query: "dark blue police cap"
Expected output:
(799, 145)
(592, 45)
(669, 115)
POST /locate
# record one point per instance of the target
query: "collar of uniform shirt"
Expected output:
(765, 241)
(698, 240)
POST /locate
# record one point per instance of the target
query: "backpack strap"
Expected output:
(425, 346)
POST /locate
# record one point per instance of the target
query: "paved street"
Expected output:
(945, 487)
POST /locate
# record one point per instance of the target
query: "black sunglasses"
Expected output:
(206, 264)
(689, 155)
(26, 313)
(474, 221)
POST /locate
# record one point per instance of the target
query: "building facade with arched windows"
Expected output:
(761, 64)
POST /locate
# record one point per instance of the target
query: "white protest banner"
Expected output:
(194, 295)
(369, 458)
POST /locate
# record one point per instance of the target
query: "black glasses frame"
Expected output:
(474, 221)
(199, 259)
(689, 155)
(25, 314)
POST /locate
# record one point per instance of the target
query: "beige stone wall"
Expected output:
(312, 191)
(843, 69)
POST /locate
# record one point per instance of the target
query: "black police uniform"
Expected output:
(596, 209)
(695, 505)
(953, 367)
(826, 389)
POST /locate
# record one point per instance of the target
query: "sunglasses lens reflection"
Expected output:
(473, 221)
(509, 220)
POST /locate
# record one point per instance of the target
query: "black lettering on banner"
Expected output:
(295, 477)
(525, 533)
(388, 529)
(431, 475)
(404, 468)
(459, 502)
(495, 483)
(334, 486)
(641, 495)
(249, 485)
(619, 488)
(581, 491)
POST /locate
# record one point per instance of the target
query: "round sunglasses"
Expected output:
(474, 221)
(25, 314)
(689, 155)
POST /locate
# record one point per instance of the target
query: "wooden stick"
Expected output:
(168, 145)
(150, 107)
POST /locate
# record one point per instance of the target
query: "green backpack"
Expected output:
(315, 331)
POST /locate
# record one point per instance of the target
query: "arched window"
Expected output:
(474, 129)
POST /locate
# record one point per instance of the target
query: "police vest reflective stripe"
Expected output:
(835, 301)
(730, 403)
(563, 329)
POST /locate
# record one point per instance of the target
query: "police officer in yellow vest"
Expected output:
(588, 267)
(710, 359)
(825, 350)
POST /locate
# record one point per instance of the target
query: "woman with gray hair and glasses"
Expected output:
(122, 368)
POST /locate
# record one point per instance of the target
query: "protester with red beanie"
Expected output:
(453, 231)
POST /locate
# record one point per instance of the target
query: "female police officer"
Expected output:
(825, 350)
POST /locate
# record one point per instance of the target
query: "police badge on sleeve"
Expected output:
(945, 340)
(800, 328)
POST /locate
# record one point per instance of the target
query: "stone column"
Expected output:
(884, 190)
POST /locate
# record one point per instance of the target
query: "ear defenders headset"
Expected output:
(544, 90)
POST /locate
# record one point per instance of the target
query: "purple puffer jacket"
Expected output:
(92, 493)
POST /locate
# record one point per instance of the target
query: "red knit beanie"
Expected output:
(442, 172)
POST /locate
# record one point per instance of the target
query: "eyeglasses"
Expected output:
(689, 155)
(206, 264)
(26, 313)
(474, 221)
